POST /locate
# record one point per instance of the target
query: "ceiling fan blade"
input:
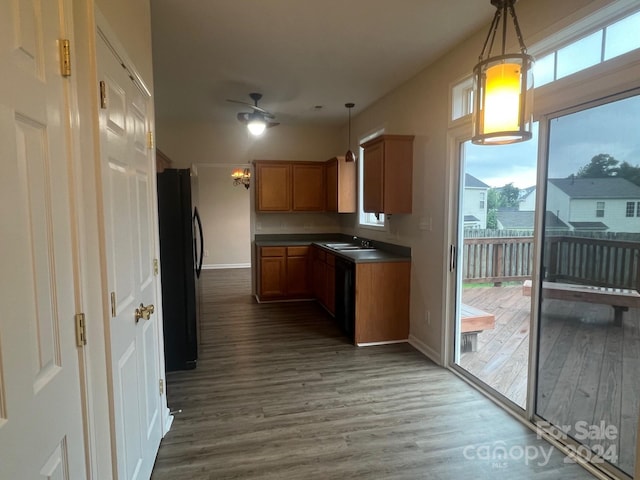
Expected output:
(255, 107)
(272, 124)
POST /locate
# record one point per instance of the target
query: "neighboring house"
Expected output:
(527, 200)
(475, 202)
(524, 221)
(595, 204)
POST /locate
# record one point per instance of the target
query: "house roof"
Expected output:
(599, 226)
(514, 219)
(525, 192)
(472, 182)
(610, 187)
(471, 218)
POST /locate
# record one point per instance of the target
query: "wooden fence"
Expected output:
(582, 260)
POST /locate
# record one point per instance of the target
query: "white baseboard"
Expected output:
(218, 266)
(372, 344)
(425, 349)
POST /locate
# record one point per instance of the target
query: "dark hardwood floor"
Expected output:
(280, 394)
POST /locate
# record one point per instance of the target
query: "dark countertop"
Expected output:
(384, 252)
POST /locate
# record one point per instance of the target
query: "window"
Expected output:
(587, 46)
(367, 220)
(638, 209)
(481, 199)
(631, 209)
(599, 209)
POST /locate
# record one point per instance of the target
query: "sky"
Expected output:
(574, 139)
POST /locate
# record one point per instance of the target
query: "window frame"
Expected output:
(600, 211)
(365, 219)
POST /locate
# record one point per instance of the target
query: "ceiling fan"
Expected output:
(257, 120)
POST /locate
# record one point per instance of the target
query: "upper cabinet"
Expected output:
(387, 174)
(273, 186)
(341, 186)
(307, 188)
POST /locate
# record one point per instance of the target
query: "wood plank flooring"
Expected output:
(279, 393)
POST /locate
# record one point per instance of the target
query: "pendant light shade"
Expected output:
(349, 156)
(503, 86)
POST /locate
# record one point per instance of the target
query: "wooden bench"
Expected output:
(473, 321)
(620, 299)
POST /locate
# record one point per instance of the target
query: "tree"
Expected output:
(509, 195)
(601, 166)
(628, 171)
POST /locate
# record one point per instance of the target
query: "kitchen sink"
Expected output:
(340, 245)
(352, 248)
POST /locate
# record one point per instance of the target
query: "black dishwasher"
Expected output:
(346, 296)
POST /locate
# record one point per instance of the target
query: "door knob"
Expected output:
(144, 312)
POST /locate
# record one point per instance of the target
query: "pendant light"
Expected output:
(503, 86)
(349, 156)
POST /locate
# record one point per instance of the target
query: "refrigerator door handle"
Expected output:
(199, 255)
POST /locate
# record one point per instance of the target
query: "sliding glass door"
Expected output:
(588, 358)
(495, 254)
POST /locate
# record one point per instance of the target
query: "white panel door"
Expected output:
(129, 192)
(41, 429)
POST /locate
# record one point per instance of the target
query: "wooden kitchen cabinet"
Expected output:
(341, 185)
(324, 279)
(382, 302)
(284, 273)
(273, 186)
(272, 275)
(388, 174)
(308, 190)
(298, 272)
(330, 282)
(289, 186)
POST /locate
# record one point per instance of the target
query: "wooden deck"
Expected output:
(588, 365)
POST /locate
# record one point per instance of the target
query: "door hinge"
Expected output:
(161, 386)
(149, 139)
(103, 95)
(156, 267)
(65, 58)
(452, 257)
(113, 304)
(81, 333)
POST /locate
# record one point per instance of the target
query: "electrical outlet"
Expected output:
(206, 253)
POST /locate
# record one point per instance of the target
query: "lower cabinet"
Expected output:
(284, 273)
(382, 302)
(324, 278)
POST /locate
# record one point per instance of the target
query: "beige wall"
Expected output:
(224, 209)
(130, 20)
(229, 144)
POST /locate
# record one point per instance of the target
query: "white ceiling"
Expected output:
(297, 53)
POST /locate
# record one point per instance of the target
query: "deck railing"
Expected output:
(591, 261)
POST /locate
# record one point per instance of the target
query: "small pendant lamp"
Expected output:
(349, 156)
(503, 86)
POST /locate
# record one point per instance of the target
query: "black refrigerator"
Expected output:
(181, 251)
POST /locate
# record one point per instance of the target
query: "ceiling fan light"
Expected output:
(257, 126)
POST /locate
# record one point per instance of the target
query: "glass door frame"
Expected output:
(456, 138)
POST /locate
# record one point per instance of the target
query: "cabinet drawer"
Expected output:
(298, 251)
(273, 251)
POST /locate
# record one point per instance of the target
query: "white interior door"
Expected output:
(128, 192)
(41, 429)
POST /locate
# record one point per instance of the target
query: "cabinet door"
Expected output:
(298, 272)
(273, 187)
(272, 277)
(332, 185)
(319, 276)
(308, 187)
(373, 174)
(330, 276)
